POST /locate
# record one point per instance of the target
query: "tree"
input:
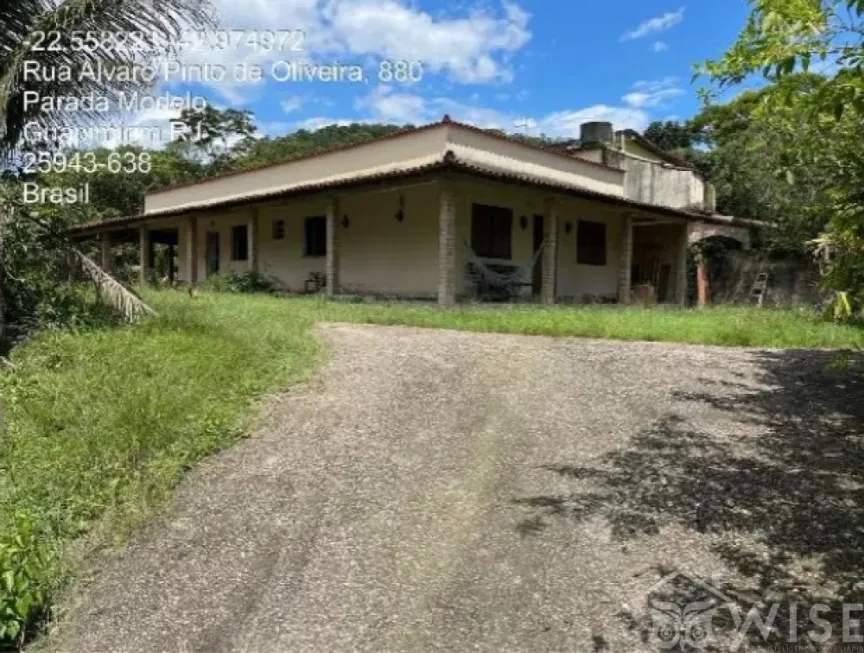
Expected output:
(114, 195)
(158, 22)
(23, 23)
(670, 135)
(210, 136)
(771, 166)
(781, 38)
(261, 151)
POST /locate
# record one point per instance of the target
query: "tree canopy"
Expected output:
(812, 123)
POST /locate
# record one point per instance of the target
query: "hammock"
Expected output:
(494, 283)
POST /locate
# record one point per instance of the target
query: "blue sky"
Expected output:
(492, 63)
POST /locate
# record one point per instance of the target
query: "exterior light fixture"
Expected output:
(523, 222)
(345, 221)
(400, 214)
(568, 227)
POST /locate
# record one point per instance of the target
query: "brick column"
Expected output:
(144, 255)
(447, 247)
(332, 264)
(550, 253)
(625, 260)
(681, 266)
(252, 228)
(190, 251)
(105, 252)
(702, 281)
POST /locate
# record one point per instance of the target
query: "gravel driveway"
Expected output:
(446, 491)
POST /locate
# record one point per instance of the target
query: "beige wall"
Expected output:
(284, 259)
(664, 185)
(378, 253)
(395, 153)
(632, 147)
(574, 280)
(381, 255)
(595, 154)
(390, 155)
(220, 223)
(493, 153)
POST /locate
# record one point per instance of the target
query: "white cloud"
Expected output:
(660, 46)
(473, 49)
(383, 105)
(567, 123)
(653, 94)
(292, 104)
(654, 25)
(477, 47)
(313, 124)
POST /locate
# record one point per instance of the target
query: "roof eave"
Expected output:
(448, 162)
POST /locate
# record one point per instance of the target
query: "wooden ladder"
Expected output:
(759, 287)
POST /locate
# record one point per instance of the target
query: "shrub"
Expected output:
(242, 282)
(40, 288)
(25, 564)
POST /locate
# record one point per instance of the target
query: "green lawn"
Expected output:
(101, 425)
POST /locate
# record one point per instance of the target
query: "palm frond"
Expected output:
(158, 22)
(129, 305)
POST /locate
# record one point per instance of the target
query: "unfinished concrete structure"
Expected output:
(413, 214)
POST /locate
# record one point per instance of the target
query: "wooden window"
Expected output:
(316, 236)
(591, 243)
(492, 231)
(278, 230)
(239, 243)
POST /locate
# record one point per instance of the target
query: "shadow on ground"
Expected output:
(784, 508)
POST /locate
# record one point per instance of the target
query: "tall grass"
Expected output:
(100, 425)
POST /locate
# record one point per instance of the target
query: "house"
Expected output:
(435, 213)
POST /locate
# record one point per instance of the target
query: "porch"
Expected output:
(425, 239)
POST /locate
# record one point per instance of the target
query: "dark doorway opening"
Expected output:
(212, 252)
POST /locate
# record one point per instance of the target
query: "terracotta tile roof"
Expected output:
(447, 161)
